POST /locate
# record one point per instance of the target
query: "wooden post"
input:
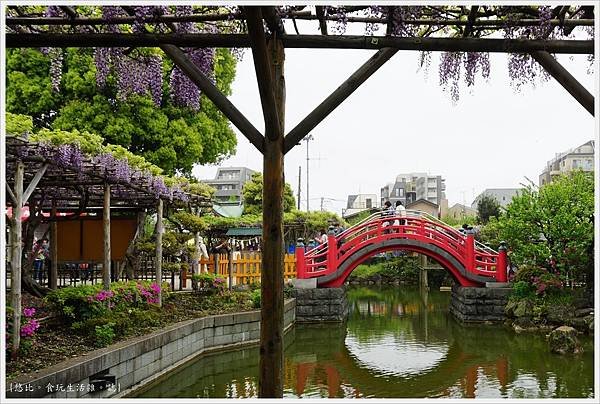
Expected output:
(52, 282)
(423, 281)
(196, 259)
(158, 264)
(269, 63)
(106, 233)
(216, 260)
(230, 269)
(17, 251)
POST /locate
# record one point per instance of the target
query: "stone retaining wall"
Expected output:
(134, 361)
(474, 305)
(315, 305)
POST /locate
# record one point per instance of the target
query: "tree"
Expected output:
(552, 227)
(253, 191)
(487, 207)
(171, 137)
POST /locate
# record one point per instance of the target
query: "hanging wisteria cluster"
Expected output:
(136, 72)
(457, 66)
(183, 90)
(55, 54)
(70, 157)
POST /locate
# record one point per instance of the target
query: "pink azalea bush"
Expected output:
(83, 302)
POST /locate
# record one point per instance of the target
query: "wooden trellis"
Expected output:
(268, 50)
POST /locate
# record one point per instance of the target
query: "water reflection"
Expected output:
(396, 343)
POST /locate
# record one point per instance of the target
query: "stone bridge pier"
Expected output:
(319, 304)
(479, 304)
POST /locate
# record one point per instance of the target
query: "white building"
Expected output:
(360, 202)
(581, 157)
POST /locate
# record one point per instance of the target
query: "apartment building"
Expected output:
(581, 157)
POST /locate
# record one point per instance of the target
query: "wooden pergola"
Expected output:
(58, 188)
(268, 39)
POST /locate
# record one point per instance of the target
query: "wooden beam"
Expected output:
(273, 20)
(106, 237)
(262, 65)
(271, 318)
(215, 95)
(53, 278)
(299, 15)
(320, 10)
(34, 182)
(16, 235)
(85, 40)
(562, 75)
(158, 257)
(337, 97)
(10, 194)
(470, 20)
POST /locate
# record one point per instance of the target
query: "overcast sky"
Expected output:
(400, 120)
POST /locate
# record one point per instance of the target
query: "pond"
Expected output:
(397, 342)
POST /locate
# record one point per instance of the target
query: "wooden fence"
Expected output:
(245, 267)
(245, 270)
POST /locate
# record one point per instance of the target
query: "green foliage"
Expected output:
(17, 124)
(487, 207)
(104, 334)
(399, 268)
(170, 137)
(359, 217)
(209, 282)
(256, 298)
(459, 221)
(253, 191)
(83, 302)
(553, 228)
(522, 290)
(527, 273)
(367, 271)
(308, 224)
(189, 221)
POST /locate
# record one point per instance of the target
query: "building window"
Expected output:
(369, 203)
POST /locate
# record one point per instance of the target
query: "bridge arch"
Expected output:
(445, 259)
(469, 262)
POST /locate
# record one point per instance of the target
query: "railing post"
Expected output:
(331, 250)
(470, 252)
(501, 275)
(230, 269)
(300, 261)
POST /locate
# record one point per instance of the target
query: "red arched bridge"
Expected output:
(470, 262)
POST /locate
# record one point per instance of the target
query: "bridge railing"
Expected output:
(477, 257)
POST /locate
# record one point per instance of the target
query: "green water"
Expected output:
(396, 343)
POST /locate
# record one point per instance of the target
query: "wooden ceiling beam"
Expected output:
(62, 40)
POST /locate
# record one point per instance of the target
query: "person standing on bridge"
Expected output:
(387, 211)
(401, 213)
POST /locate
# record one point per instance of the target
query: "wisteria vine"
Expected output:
(142, 73)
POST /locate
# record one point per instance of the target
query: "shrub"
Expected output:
(256, 298)
(527, 273)
(207, 281)
(522, 290)
(104, 334)
(84, 302)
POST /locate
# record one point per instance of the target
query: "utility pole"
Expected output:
(322, 203)
(307, 139)
(299, 184)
